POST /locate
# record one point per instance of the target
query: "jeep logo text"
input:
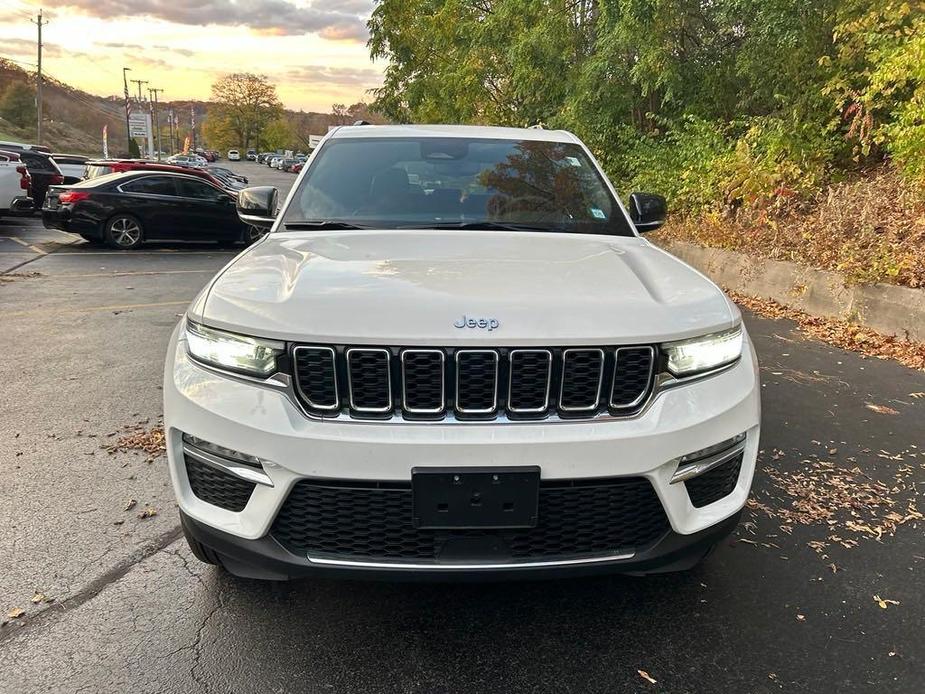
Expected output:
(484, 323)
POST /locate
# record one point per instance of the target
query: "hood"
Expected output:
(412, 287)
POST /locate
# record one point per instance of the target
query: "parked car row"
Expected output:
(125, 209)
(27, 171)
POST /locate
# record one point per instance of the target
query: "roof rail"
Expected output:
(362, 122)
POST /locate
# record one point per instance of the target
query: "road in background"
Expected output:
(83, 342)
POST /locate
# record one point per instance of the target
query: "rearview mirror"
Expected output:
(257, 205)
(648, 211)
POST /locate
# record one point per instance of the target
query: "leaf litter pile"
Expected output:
(840, 333)
(848, 504)
(138, 438)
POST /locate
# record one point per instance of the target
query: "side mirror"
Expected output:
(648, 211)
(257, 205)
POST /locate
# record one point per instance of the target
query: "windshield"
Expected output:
(447, 182)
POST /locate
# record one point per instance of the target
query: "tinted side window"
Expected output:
(37, 162)
(152, 185)
(198, 190)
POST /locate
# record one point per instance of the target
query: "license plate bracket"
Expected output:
(475, 498)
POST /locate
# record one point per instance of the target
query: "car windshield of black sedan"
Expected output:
(399, 182)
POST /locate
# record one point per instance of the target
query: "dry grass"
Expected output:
(870, 228)
(839, 333)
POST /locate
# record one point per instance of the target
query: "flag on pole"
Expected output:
(186, 144)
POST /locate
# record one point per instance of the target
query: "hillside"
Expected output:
(74, 118)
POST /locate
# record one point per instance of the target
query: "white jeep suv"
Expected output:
(454, 355)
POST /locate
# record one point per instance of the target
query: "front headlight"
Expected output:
(234, 352)
(688, 357)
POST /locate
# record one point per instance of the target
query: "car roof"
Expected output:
(470, 131)
(125, 175)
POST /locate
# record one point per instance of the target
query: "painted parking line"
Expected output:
(27, 245)
(129, 273)
(166, 251)
(91, 309)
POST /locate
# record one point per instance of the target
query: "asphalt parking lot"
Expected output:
(819, 590)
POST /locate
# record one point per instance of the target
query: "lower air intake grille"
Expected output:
(714, 485)
(216, 487)
(351, 520)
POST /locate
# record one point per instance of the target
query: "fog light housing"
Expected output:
(221, 451)
(697, 462)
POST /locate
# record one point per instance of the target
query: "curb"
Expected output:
(886, 308)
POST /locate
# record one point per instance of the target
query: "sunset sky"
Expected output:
(314, 50)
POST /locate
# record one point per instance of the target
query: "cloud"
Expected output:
(185, 52)
(27, 47)
(343, 76)
(340, 20)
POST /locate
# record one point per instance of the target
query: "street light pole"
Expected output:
(157, 127)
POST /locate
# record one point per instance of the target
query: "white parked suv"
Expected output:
(234, 155)
(15, 184)
(454, 355)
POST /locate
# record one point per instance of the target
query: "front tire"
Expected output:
(252, 234)
(124, 232)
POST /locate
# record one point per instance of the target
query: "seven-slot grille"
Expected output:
(431, 383)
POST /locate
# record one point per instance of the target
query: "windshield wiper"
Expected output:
(485, 226)
(321, 225)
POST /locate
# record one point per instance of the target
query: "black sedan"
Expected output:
(126, 209)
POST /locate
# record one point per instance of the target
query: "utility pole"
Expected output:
(139, 83)
(128, 128)
(38, 82)
(170, 129)
(157, 127)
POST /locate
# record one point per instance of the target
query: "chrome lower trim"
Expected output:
(239, 470)
(470, 567)
(695, 469)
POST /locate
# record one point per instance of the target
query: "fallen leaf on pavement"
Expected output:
(130, 505)
(801, 617)
(148, 513)
(880, 409)
(38, 597)
(884, 602)
(646, 676)
(16, 613)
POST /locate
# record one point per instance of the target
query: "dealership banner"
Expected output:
(105, 142)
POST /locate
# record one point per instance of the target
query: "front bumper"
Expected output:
(265, 423)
